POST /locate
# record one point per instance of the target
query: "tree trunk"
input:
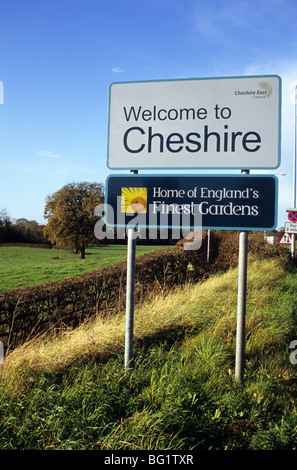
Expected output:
(82, 252)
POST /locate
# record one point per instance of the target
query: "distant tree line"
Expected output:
(20, 230)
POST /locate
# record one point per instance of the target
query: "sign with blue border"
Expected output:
(229, 122)
(226, 202)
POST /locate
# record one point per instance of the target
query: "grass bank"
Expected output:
(71, 392)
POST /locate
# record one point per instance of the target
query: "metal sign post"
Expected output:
(130, 284)
(241, 303)
(1, 353)
(130, 298)
(208, 250)
(293, 237)
(241, 306)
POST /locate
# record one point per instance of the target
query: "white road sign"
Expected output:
(291, 227)
(197, 123)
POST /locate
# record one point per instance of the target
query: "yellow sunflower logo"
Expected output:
(134, 200)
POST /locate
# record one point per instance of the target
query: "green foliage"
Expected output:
(70, 215)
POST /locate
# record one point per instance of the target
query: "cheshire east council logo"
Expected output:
(266, 88)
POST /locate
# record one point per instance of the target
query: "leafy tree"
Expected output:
(5, 225)
(70, 215)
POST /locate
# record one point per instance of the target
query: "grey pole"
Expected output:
(208, 249)
(130, 298)
(293, 237)
(1, 353)
(130, 283)
(241, 306)
(241, 303)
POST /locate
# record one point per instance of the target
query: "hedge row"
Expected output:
(27, 312)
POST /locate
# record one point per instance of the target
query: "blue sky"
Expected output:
(59, 57)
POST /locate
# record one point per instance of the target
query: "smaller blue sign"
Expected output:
(226, 202)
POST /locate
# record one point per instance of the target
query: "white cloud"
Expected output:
(117, 70)
(48, 154)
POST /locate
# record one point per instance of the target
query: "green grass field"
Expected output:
(23, 266)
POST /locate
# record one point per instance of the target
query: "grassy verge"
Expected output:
(70, 392)
(24, 267)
